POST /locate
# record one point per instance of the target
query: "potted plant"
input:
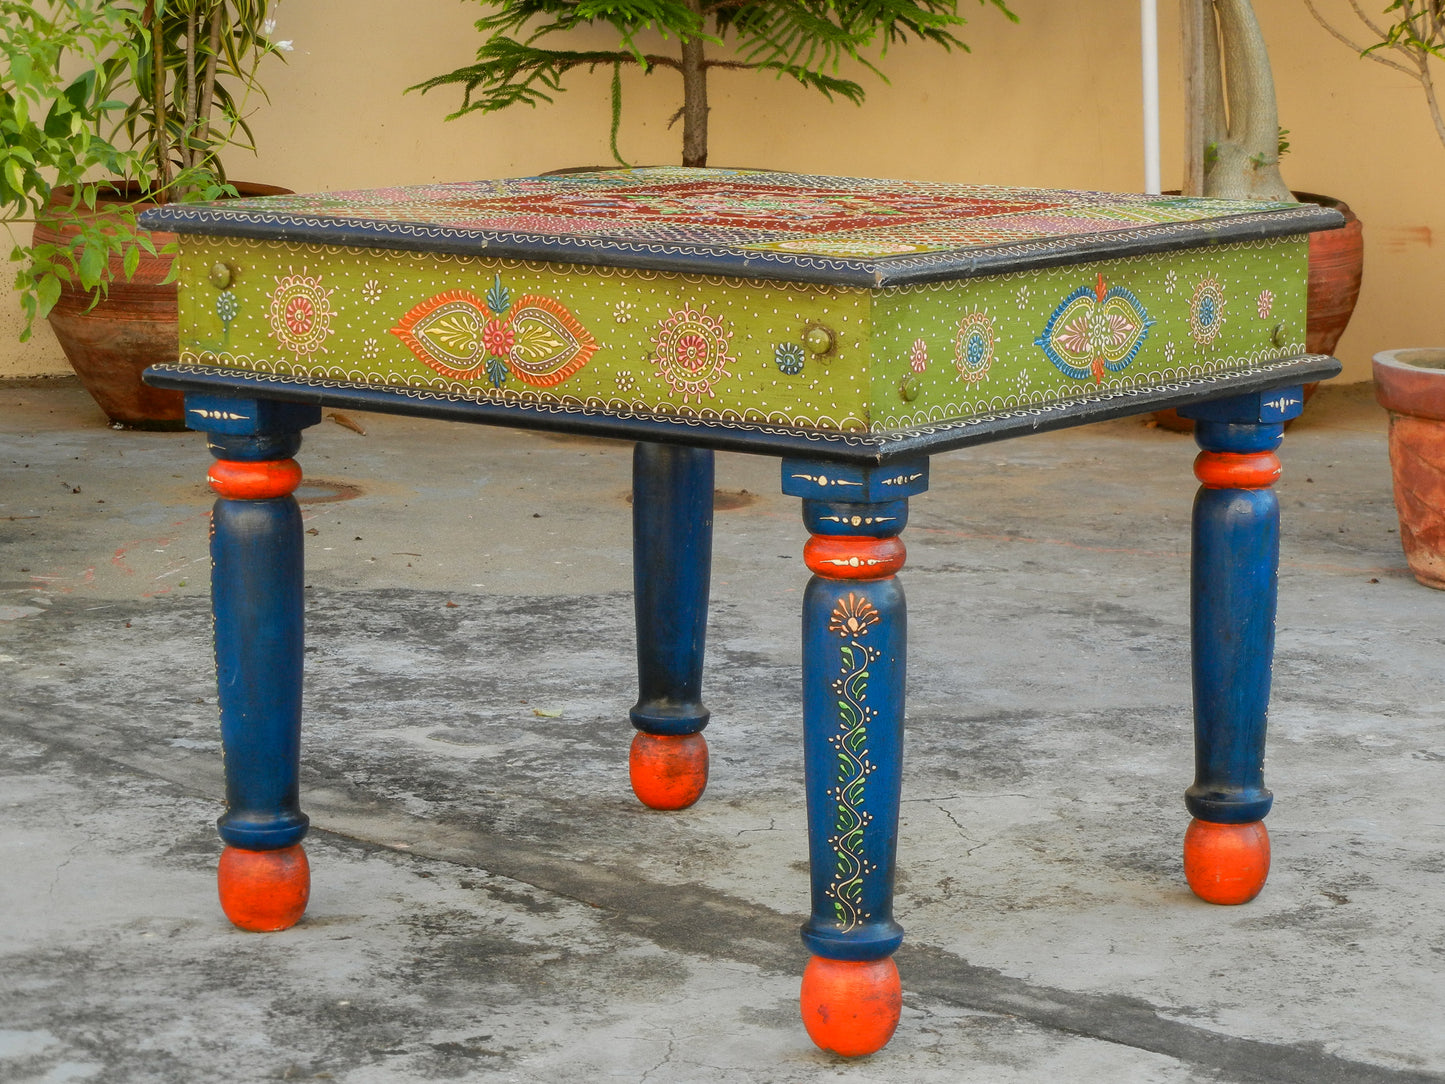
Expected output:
(162, 87)
(1410, 383)
(791, 38)
(1233, 144)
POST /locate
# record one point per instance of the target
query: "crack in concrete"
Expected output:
(666, 1058)
(772, 827)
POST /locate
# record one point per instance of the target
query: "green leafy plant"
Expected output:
(805, 40)
(76, 153)
(1414, 30)
(191, 73)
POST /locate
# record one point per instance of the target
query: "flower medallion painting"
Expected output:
(463, 336)
(1095, 329)
(300, 313)
(692, 351)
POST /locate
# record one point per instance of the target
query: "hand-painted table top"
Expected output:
(734, 308)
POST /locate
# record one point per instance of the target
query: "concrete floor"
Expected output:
(490, 903)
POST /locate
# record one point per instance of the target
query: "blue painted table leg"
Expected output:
(854, 660)
(1233, 592)
(256, 596)
(672, 499)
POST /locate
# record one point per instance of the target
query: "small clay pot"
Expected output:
(1410, 384)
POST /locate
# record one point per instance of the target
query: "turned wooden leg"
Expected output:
(854, 661)
(672, 497)
(256, 595)
(1233, 591)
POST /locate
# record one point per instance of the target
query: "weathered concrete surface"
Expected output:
(489, 903)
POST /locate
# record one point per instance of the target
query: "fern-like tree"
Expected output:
(805, 40)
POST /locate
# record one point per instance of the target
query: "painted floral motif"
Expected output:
(1264, 304)
(692, 351)
(788, 357)
(851, 619)
(227, 307)
(973, 346)
(1206, 311)
(300, 313)
(622, 312)
(498, 338)
(625, 382)
(853, 616)
(370, 350)
(1095, 329)
(534, 339)
(918, 356)
(1171, 282)
(1023, 295)
(371, 291)
(1169, 351)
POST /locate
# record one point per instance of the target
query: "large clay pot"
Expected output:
(1410, 384)
(133, 327)
(1337, 263)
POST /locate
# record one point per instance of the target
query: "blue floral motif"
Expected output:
(496, 371)
(227, 306)
(1096, 329)
(499, 298)
(789, 358)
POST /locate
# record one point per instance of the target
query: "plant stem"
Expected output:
(208, 78)
(694, 95)
(188, 120)
(1192, 28)
(158, 104)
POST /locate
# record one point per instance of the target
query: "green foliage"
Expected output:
(804, 40)
(1419, 31)
(1410, 41)
(189, 77)
(186, 66)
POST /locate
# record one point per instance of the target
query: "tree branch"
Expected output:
(1358, 49)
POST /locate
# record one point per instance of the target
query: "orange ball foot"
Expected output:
(1226, 863)
(851, 1007)
(263, 891)
(668, 771)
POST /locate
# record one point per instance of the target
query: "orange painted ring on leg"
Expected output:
(852, 557)
(254, 481)
(668, 771)
(851, 1007)
(1237, 470)
(1226, 863)
(264, 891)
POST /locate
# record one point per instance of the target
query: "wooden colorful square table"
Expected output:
(853, 328)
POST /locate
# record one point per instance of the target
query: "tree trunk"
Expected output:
(694, 96)
(1192, 27)
(1243, 162)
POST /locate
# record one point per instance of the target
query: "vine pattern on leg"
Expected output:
(851, 619)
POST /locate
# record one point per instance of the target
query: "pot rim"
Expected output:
(1402, 386)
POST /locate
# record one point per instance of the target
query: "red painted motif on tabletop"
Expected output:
(736, 206)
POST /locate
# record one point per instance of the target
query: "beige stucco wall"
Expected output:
(1054, 100)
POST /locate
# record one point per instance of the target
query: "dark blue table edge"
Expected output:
(717, 260)
(866, 449)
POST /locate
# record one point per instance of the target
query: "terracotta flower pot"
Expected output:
(1410, 384)
(1337, 264)
(132, 328)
